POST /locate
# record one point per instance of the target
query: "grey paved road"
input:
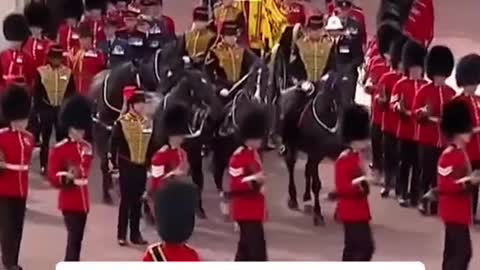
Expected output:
(400, 234)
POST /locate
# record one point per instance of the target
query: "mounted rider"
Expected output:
(227, 11)
(116, 49)
(134, 37)
(228, 64)
(312, 56)
(196, 43)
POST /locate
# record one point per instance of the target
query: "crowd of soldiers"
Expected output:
(420, 129)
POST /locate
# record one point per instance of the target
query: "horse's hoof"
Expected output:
(318, 220)
(308, 209)
(292, 204)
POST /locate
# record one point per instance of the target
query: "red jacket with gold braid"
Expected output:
(38, 49)
(165, 160)
(74, 157)
(16, 66)
(68, 37)
(163, 252)
(85, 64)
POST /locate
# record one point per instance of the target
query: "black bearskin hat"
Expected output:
(175, 205)
(468, 70)
(254, 123)
(16, 103)
(73, 9)
(355, 124)
(37, 14)
(439, 62)
(456, 118)
(386, 34)
(413, 55)
(395, 50)
(95, 4)
(76, 112)
(176, 119)
(15, 28)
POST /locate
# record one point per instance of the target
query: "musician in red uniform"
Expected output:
(468, 78)
(15, 64)
(455, 182)
(69, 169)
(68, 36)
(16, 146)
(37, 45)
(172, 198)
(351, 183)
(389, 120)
(421, 22)
(401, 103)
(247, 199)
(94, 19)
(171, 159)
(87, 61)
(428, 107)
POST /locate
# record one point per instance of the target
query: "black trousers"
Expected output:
(475, 166)
(457, 251)
(107, 182)
(251, 245)
(34, 125)
(409, 173)
(132, 180)
(428, 159)
(75, 223)
(48, 121)
(12, 217)
(377, 147)
(359, 245)
(391, 157)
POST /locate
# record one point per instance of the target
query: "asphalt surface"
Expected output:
(400, 234)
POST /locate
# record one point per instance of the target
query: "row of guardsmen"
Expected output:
(424, 135)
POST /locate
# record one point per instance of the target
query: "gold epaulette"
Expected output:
(164, 148)
(238, 150)
(62, 142)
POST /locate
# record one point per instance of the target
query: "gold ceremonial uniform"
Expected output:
(131, 138)
(53, 85)
(312, 58)
(199, 42)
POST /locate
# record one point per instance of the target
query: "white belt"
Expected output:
(81, 182)
(14, 167)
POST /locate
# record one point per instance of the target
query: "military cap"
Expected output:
(343, 3)
(355, 124)
(386, 34)
(149, 3)
(176, 119)
(296, 14)
(15, 28)
(413, 55)
(254, 123)
(456, 118)
(439, 62)
(468, 70)
(37, 14)
(315, 22)
(95, 4)
(76, 112)
(117, 1)
(395, 51)
(73, 9)
(55, 51)
(229, 28)
(16, 103)
(200, 14)
(132, 12)
(132, 94)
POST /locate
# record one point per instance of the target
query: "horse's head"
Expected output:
(327, 102)
(168, 66)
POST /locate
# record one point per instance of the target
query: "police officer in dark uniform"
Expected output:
(348, 52)
(116, 49)
(130, 153)
(197, 42)
(54, 83)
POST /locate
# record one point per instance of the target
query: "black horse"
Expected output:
(310, 124)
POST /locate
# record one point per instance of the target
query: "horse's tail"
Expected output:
(96, 87)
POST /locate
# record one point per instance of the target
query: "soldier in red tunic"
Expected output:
(175, 205)
(170, 160)
(455, 184)
(87, 61)
(468, 78)
(15, 64)
(352, 187)
(16, 146)
(94, 19)
(247, 199)
(69, 169)
(37, 45)
(428, 107)
(67, 32)
(401, 103)
(421, 22)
